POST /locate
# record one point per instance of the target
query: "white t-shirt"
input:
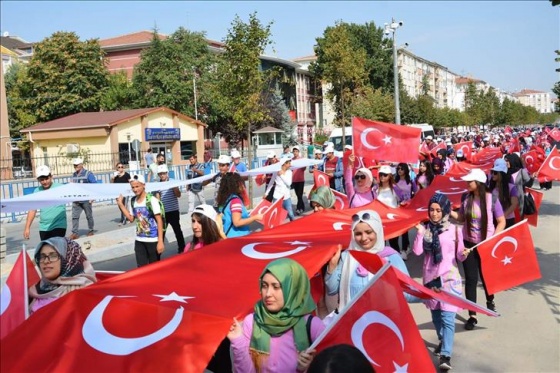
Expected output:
(387, 197)
(146, 224)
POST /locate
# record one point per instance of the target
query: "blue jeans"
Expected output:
(287, 205)
(444, 322)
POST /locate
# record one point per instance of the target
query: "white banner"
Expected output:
(298, 163)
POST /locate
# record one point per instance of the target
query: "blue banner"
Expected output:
(163, 134)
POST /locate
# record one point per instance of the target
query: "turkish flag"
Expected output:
(261, 207)
(320, 178)
(341, 202)
(13, 300)
(554, 134)
(452, 186)
(379, 323)
(260, 179)
(466, 147)
(514, 146)
(550, 169)
(274, 215)
(385, 141)
(486, 157)
(373, 264)
(104, 275)
(508, 259)
(155, 318)
(532, 161)
(439, 146)
(537, 197)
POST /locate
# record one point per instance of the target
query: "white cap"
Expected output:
(429, 137)
(235, 154)
(317, 151)
(43, 171)
(328, 149)
(295, 147)
(476, 174)
(270, 154)
(139, 178)
(206, 210)
(162, 168)
(223, 159)
(283, 160)
(77, 161)
(385, 169)
(349, 147)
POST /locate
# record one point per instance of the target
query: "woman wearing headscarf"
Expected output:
(322, 198)
(442, 245)
(63, 267)
(345, 276)
(437, 166)
(520, 177)
(276, 335)
(362, 192)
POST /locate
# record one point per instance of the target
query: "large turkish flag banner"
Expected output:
(13, 299)
(508, 259)
(385, 141)
(550, 168)
(379, 323)
(169, 316)
(466, 147)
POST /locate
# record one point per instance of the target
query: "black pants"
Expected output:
(546, 185)
(298, 189)
(471, 266)
(394, 243)
(57, 232)
(146, 253)
(405, 242)
(173, 218)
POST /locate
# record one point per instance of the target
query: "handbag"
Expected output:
(529, 206)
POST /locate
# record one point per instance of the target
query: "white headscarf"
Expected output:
(369, 180)
(350, 264)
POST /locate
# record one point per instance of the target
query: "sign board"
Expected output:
(162, 134)
(136, 145)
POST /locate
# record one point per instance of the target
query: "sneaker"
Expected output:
(90, 233)
(491, 306)
(437, 350)
(404, 255)
(445, 363)
(74, 236)
(471, 322)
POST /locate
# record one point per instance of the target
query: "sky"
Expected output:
(508, 44)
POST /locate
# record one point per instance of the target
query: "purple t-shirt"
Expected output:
(512, 193)
(474, 234)
(406, 189)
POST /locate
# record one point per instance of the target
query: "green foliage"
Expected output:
(239, 80)
(278, 116)
(373, 104)
(119, 94)
(83, 153)
(164, 76)
(67, 76)
(17, 93)
(320, 137)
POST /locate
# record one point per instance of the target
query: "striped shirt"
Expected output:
(169, 200)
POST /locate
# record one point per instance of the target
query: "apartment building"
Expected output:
(541, 101)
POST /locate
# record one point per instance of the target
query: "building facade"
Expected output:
(541, 101)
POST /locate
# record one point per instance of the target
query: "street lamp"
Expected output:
(194, 90)
(128, 136)
(392, 29)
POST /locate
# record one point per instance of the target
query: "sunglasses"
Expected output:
(495, 172)
(43, 178)
(357, 217)
(223, 164)
(359, 177)
(120, 166)
(383, 175)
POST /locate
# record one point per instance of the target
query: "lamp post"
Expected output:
(128, 136)
(392, 28)
(194, 90)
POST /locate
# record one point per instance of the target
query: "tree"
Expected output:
(119, 94)
(373, 104)
(240, 79)
(68, 76)
(278, 116)
(17, 91)
(164, 76)
(341, 63)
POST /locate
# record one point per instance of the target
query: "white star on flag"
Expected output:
(298, 243)
(399, 369)
(172, 297)
(506, 260)
(387, 139)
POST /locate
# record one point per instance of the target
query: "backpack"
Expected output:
(149, 197)
(220, 217)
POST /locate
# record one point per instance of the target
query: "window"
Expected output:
(187, 149)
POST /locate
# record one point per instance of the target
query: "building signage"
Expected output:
(163, 134)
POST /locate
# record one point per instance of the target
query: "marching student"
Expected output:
(170, 200)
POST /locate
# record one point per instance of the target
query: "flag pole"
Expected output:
(25, 284)
(489, 238)
(349, 305)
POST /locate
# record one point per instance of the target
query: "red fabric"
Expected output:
(341, 200)
(320, 178)
(260, 179)
(508, 259)
(14, 294)
(274, 215)
(466, 147)
(507, 129)
(373, 264)
(514, 146)
(486, 157)
(554, 134)
(385, 141)
(532, 162)
(550, 168)
(537, 196)
(221, 283)
(379, 323)
(104, 275)
(261, 207)
(439, 146)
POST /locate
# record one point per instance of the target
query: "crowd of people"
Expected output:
(286, 319)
